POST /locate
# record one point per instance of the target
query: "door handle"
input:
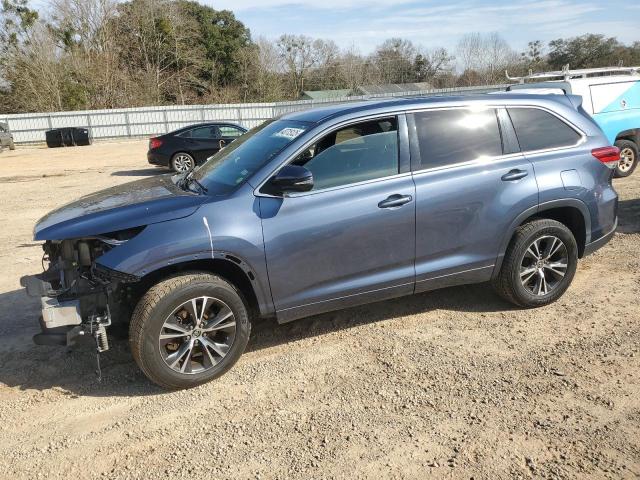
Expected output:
(394, 201)
(514, 175)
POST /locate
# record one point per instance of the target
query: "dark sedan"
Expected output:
(183, 149)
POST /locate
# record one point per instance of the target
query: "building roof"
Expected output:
(392, 88)
(325, 94)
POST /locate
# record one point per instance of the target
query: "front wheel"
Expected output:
(539, 265)
(12, 146)
(628, 158)
(188, 330)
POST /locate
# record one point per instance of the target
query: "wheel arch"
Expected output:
(227, 266)
(632, 135)
(571, 212)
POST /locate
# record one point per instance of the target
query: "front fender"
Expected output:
(226, 230)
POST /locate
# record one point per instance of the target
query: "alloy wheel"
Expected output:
(197, 335)
(627, 159)
(544, 265)
(183, 163)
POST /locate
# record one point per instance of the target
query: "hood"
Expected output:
(134, 204)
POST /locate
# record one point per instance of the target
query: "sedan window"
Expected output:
(230, 132)
(208, 132)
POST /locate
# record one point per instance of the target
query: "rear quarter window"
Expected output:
(540, 130)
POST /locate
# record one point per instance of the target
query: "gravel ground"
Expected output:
(454, 383)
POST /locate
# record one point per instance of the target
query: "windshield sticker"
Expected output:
(289, 133)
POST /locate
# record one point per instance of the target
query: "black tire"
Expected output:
(160, 303)
(629, 150)
(12, 146)
(508, 283)
(179, 159)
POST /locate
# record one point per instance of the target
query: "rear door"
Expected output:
(471, 183)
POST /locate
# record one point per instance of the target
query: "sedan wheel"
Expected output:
(182, 163)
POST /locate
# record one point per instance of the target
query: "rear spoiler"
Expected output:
(575, 100)
(556, 91)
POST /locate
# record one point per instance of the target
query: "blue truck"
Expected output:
(610, 95)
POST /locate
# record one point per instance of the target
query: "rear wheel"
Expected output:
(628, 158)
(188, 330)
(182, 162)
(539, 265)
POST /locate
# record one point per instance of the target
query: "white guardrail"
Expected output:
(30, 128)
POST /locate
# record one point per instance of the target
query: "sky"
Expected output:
(436, 23)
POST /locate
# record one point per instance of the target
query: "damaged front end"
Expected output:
(79, 297)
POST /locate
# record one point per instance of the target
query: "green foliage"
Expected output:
(587, 51)
(16, 19)
(124, 53)
(221, 36)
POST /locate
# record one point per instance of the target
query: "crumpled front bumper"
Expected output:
(60, 321)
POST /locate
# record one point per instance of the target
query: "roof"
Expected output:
(605, 79)
(392, 88)
(325, 94)
(322, 114)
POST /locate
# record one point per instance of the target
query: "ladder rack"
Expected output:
(566, 74)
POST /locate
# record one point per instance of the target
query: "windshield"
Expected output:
(232, 165)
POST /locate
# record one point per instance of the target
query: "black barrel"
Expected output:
(81, 136)
(68, 137)
(54, 138)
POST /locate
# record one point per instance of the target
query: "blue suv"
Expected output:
(327, 209)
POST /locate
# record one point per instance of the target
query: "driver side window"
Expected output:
(359, 152)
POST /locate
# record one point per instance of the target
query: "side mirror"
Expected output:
(292, 178)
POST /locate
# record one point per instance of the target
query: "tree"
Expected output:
(394, 59)
(429, 64)
(486, 55)
(222, 37)
(30, 62)
(587, 51)
(159, 47)
(298, 54)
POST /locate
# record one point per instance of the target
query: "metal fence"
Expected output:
(148, 121)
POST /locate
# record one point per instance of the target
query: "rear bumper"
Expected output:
(600, 242)
(157, 158)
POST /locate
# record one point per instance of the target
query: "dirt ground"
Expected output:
(448, 384)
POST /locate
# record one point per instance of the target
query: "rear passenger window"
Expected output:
(360, 152)
(540, 130)
(447, 137)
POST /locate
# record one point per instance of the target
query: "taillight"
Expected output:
(610, 156)
(155, 143)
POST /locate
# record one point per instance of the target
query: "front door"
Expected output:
(351, 239)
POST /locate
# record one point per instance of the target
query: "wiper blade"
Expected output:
(201, 187)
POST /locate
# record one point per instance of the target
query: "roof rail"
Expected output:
(567, 74)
